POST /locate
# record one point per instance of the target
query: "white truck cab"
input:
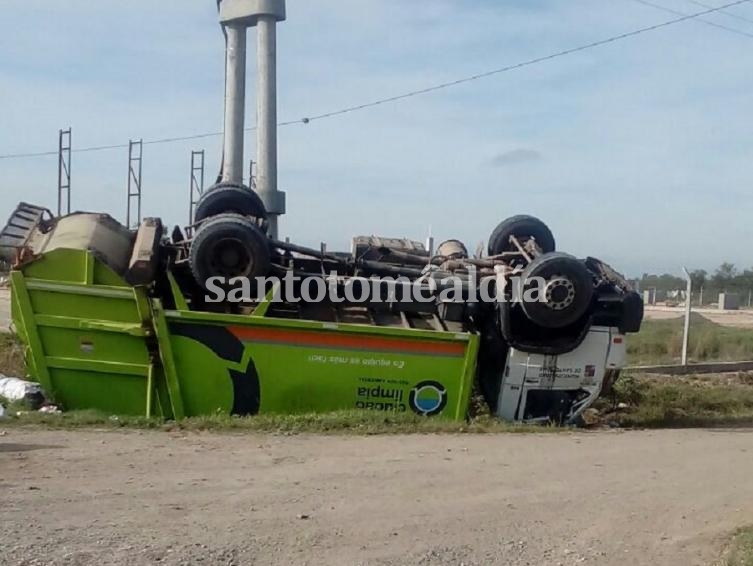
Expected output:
(539, 388)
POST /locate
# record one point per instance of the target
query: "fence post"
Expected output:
(686, 331)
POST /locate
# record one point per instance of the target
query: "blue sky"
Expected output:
(639, 152)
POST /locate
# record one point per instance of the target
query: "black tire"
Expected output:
(522, 227)
(569, 290)
(228, 246)
(229, 198)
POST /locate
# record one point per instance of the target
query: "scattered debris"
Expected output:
(591, 417)
(15, 389)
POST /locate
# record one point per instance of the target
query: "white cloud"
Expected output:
(515, 157)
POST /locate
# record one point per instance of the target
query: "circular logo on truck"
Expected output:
(428, 398)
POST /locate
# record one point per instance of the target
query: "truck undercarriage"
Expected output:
(537, 361)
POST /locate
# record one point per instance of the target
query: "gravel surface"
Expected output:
(607, 498)
(737, 319)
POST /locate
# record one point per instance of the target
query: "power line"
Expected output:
(120, 145)
(682, 18)
(730, 14)
(707, 22)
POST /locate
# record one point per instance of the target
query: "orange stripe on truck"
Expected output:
(320, 339)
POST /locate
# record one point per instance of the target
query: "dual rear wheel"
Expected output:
(565, 290)
(565, 286)
(230, 240)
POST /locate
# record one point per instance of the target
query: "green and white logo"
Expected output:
(428, 398)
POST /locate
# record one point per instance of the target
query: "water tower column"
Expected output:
(235, 99)
(236, 16)
(266, 179)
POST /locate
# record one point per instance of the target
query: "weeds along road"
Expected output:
(607, 498)
(4, 309)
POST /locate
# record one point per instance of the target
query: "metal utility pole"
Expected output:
(197, 182)
(236, 17)
(64, 171)
(135, 152)
(686, 332)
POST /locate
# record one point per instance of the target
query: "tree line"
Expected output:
(726, 279)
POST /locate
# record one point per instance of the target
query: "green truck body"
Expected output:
(95, 342)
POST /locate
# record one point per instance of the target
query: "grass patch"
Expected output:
(740, 552)
(338, 423)
(637, 401)
(12, 361)
(644, 401)
(12, 407)
(660, 342)
(655, 401)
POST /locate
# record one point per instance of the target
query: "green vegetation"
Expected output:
(11, 355)
(740, 552)
(12, 407)
(636, 401)
(344, 422)
(655, 401)
(660, 342)
(11, 364)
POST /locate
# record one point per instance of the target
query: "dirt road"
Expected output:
(611, 498)
(736, 319)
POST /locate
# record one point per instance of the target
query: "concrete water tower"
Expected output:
(236, 16)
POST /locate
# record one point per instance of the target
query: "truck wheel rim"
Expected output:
(230, 258)
(559, 293)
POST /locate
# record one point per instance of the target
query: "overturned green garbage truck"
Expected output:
(123, 320)
(220, 317)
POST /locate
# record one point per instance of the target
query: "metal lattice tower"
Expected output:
(197, 182)
(135, 152)
(64, 172)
